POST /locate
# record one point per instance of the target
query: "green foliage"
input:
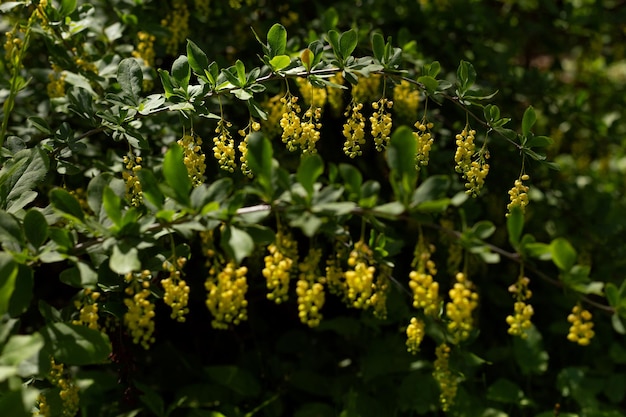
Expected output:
(155, 192)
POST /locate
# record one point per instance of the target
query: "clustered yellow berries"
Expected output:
(56, 82)
(381, 123)
(518, 194)
(139, 317)
(226, 295)
(463, 301)
(354, 130)
(425, 289)
(446, 379)
(177, 21)
(224, 146)
(133, 186)
(581, 330)
(300, 133)
(243, 147)
(193, 157)
(406, 99)
(278, 265)
(414, 335)
(176, 289)
(520, 322)
(68, 392)
(88, 309)
(360, 278)
(424, 139)
(313, 96)
(378, 300)
(310, 290)
(474, 171)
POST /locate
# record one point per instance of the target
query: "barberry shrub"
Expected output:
(337, 247)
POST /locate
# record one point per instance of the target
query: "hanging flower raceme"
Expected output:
(381, 123)
(424, 139)
(366, 89)
(176, 289)
(279, 263)
(177, 21)
(274, 108)
(310, 289)
(472, 166)
(518, 194)
(139, 317)
(226, 294)
(581, 330)
(425, 289)
(243, 147)
(448, 382)
(193, 157)
(313, 96)
(354, 130)
(67, 391)
(520, 322)
(360, 278)
(414, 335)
(133, 186)
(87, 307)
(56, 82)
(406, 98)
(463, 302)
(224, 146)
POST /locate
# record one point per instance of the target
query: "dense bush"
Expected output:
(312, 208)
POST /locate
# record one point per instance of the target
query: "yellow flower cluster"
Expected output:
(313, 96)
(425, 289)
(274, 108)
(145, 48)
(56, 82)
(300, 133)
(474, 171)
(334, 95)
(447, 381)
(133, 186)
(424, 139)
(520, 322)
(414, 335)
(194, 158)
(335, 277)
(463, 301)
(310, 290)
(243, 147)
(381, 123)
(518, 194)
(354, 130)
(226, 295)
(176, 289)
(177, 21)
(581, 330)
(360, 279)
(367, 88)
(68, 392)
(139, 317)
(224, 146)
(378, 300)
(13, 46)
(82, 63)
(278, 266)
(406, 99)
(88, 309)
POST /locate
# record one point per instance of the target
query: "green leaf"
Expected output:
(8, 275)
(241, 72)
(333, 40)
(35, 227)
(515, 226)
(197, 59)
(124, 259)
(40, 124)
(151, 399)
(76, 344)
(237, 243)
(20, 348)
(10, 229)
(389, 210)
(310, 168)
(483, 229)
(528, 120)
(401, 160)
(66, 203)
(176, 174)
(539, 142)
(612, 294)
(276, 40)
(181, 72)
(22, 292)
(563, 254)
(530, 354)
(378, 46)
(112, 204)
(430, 83)
(347, 43)
(466, 76)
(433, 188)
(279, 62)
(19, 176)
(236, 379)
(505, 391)
(19, 402)
(79, 276)
(352, 180)
(67, 7)
(130, 77)
(150, 188)
(260, 161)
